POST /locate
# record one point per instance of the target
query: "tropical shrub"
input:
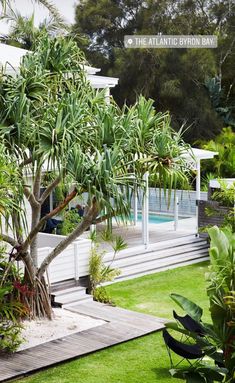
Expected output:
(223, 164)
(10, 336)
(218, 338)
(11, 309)
(100, 273)
(225, 196)
(71, 219)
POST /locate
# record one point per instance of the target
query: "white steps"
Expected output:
(87, 298)
(159, 257)
(138, 261)
(71, 296)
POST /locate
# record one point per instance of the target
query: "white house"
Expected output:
(10, 58)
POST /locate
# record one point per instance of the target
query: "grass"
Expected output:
(151, 294)
(144, 359)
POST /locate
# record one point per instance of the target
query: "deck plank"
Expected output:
(121, 326)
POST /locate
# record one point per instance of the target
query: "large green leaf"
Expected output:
(175, 327)
(188, 306)
(198, 374)
(213, 372)
(219, 241)
(187, 376)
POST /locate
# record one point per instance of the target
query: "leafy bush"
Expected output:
(218, 338)
(13, 306)
(100, 273)
(70, 221)
(100, 294)
(10, 336)
(221, 165)
(225, 195)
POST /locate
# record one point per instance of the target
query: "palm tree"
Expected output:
(39, 127)
(50, 115)
(23, 32)
(11, 192)
(47, 4)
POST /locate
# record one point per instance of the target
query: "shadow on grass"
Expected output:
(162, 372)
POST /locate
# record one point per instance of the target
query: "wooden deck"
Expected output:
(132, 235)
(122, 325)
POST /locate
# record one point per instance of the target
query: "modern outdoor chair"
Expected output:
(186, 351)
(190, 324)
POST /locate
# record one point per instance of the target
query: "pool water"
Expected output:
(154, 218)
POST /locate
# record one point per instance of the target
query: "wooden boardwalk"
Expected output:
(121, 325)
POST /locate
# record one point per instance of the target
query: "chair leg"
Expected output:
(169, 353)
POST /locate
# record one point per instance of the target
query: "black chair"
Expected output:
(190, 324)
(51, 225)
(186, 351)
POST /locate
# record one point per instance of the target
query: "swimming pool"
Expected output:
(154, 218)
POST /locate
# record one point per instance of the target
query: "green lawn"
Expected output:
(144, 359)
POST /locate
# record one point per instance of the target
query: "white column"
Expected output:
(107, 95)
(51, 201)
(145, 212)
(76, 263)
(135, 207)
(176, 213)
(93, 231)
(198, 186)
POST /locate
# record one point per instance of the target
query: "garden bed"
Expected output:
(64, 323)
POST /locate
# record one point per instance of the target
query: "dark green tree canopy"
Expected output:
(176, 79)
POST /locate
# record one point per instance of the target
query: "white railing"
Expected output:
(72, 263)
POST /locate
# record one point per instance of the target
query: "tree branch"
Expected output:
(17, 226)
(8, 239)
(27, 161)
(86, 222)
(227, 52)
(104, 218)
(49, 189)
(30, 197)
(57, 210)
(37, 183)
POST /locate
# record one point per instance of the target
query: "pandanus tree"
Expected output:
(53, 121)
(7, 4)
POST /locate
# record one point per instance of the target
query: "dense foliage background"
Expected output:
(195, 85)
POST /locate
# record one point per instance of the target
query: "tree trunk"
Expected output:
(36, 212)
(85, 223)
(36, 297)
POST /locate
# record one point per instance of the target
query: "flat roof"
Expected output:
(102, 81)
(10, 54)
(216, 182)
(199, 154)
(11, 57)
